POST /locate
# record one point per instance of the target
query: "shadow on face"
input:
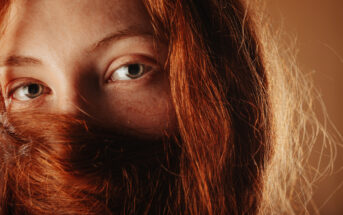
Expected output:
(98, 58)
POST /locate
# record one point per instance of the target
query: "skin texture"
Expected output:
(240, 141)
(76, 46)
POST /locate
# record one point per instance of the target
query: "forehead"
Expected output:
(59, 24)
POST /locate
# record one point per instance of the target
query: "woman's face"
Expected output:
(96, 57)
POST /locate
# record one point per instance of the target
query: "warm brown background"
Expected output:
(318, 27)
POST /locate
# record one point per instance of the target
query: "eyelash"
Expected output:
(10, 93)
(149, 64)
(143, 70)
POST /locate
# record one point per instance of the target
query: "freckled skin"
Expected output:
(60, 33)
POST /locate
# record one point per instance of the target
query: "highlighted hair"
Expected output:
(236, 150)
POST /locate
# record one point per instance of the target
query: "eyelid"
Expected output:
(115, 64)
(16, 84)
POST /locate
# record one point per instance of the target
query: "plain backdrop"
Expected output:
(317, 26)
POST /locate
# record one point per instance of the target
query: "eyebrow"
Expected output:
(15, 60)
(18, 60)
(128, 32)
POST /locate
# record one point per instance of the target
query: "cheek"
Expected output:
(140, 110)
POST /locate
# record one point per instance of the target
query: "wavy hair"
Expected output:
(238, 144)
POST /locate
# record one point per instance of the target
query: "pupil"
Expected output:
(134, 69)
(33, 89)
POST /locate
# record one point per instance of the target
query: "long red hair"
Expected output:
(215, 163)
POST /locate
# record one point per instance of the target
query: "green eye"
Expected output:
(28, 92)
(128, 72)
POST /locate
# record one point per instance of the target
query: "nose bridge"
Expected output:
(69, 98)
(78, 92)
